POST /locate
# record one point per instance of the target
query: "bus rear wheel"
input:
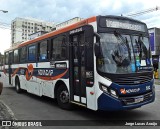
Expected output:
(63, 97)
(17, 86)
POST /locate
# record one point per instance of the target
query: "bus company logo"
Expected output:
(76, 30)
(123, 91)
(128, 91)
(45, 72)
(29, 72)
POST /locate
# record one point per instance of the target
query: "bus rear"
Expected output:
(124, 75)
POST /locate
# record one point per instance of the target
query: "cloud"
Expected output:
(61, 10)
(5, 39)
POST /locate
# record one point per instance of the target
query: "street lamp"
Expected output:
(4, 11)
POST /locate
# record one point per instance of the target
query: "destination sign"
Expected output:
(113, 23)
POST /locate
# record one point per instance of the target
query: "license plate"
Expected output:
(139, 99)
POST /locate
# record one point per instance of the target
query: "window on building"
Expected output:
(32, 53)
(16, 56)
(43, 51)
(23, 54)
(58, 49)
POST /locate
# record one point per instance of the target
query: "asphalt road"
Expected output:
(26, 106)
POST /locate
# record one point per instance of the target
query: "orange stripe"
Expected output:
(52, 78)
(17, 70)
(76, 25)
(27, 76)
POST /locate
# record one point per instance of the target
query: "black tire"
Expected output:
(62, 96)
(18, 86)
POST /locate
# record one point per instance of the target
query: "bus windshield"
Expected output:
(121, 53)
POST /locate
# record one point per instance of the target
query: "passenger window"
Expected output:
(6, 57)
(43, 51)
(23, 54)
(58, 49)
(16, 56)
(32, 53)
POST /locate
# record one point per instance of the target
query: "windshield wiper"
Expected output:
(124, 41)
(142, 47)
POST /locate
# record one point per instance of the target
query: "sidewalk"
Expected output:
(157, 81)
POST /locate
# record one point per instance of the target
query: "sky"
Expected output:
(62, 10)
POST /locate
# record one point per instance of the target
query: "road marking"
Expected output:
(8, 110)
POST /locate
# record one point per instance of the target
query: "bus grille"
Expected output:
(132, 100)
(134, 80)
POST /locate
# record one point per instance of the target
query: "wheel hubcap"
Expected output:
(64, 96)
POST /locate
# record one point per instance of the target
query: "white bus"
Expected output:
(101, 63)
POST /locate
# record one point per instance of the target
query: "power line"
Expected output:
(8, 27)
(143, 12)
(4, 27)
(3, 23)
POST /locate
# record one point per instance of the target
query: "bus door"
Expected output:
(78, 66)
(9, 66)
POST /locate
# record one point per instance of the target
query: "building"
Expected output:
(154, 34)
(68, 22)
(21, 28)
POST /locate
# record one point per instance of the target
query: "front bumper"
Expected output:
(109, 103)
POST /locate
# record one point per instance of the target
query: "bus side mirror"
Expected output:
(97, 49)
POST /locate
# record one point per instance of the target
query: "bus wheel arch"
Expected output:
(62, 95)
(18, 85)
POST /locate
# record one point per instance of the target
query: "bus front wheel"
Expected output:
(63, 97)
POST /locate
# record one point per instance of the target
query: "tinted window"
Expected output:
(43, 51)
(32, 53)
(58, 48)
(16, 56)
(23, 54)
(6, 58)
(11, 57)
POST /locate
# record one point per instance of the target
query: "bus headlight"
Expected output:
(108, 90)
(113, 92)
(104, 88)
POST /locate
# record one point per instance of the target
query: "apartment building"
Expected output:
(21, 28)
